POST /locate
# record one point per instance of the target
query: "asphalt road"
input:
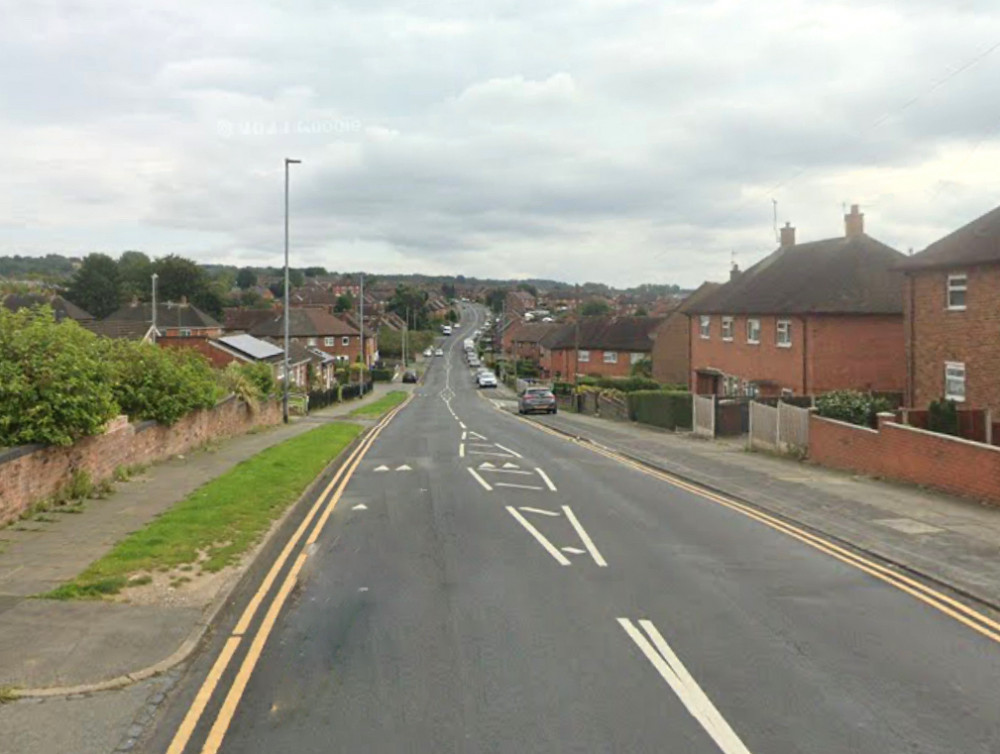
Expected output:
(484, 586)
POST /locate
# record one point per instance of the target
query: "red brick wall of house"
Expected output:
(562, 361)
(196, 333)
(747, 361)
(861, 353)
(896, 451)
(671, 360)
(219, 358)
(351, 351)
(31, 474)
(939, 335)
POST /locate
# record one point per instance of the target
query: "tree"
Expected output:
(345, 303)
(135, 270)
(495, 298)
(246, 278)
(411, 302)
(296, 279)
(448, 290)
(96, 286)
(528, 288)
(313, 272)
(595, 308)
(641, 311)
(179, 277)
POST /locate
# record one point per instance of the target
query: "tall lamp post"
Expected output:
(154, 277)
(284, 398)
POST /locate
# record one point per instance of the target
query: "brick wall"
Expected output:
(615, 409)
(562, 361)
(907, 454)
(31, 473)
(936, 335)
(671, 360)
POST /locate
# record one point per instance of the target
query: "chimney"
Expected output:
(787, 236)
(854, 223)
(734, 272)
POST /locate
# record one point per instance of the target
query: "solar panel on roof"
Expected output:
(251, 346)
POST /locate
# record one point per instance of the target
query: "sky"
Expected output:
(615, 141)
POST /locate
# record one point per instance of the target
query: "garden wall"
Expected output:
(32, 473)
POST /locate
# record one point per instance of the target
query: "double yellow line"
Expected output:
(977, 621)
(322, 508)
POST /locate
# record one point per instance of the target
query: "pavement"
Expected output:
(51, 646)
(478, 585)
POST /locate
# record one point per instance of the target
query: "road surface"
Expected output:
(482, 585)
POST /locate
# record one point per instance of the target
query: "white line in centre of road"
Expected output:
(464, 434)
(482, 481)
(541, 512)
(518, 486)
(545, 477)
(549, 547)
(585, 538)
(461, 450)
(461, 425)
(672, 670)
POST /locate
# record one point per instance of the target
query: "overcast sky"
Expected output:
(616, 141)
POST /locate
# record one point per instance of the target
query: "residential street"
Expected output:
(485, 586)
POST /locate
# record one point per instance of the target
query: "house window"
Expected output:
(727, 328)
(957, 285)
(329, 341)
(311, 341)
(704, 325)
(185, 333)
(635, 357)
(784, 339)
(611, 357)
(954, 380)
(753, 331)
(583, 356)
(787, 392)
(345, 341)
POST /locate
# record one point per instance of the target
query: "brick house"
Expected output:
(313, 328)
(671, 353)
(521, 339)
(61, 308)
(175, 321)
(952, 317)
(807, 319)
(608, 346)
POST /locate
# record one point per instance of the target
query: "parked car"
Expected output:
(445, 330)
(409, 376)
(534, 399)
(486, 379)
(439, 352)
(428, 351)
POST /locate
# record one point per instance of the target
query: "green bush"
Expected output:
(625, 384)
(382, 374)
(942, 416)
(157, 383)
(562, 388)
(262, 376)
(852, 406)
(54, 386)
(670, 409)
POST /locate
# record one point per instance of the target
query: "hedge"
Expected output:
(382, 374)
(670, 409)
(852, 406)
(629, 384)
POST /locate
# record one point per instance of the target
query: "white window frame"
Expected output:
(611, 357)
(583, 356)
(705, 326)
(957, 283)
(329, 340)
(635, 357)
(753, 341)
(184, 332)
(727, 328)
(954, 370)
(310, 341)
(346, 340)
(783, 326)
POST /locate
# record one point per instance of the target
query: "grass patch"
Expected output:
(383, 404)
(8, 694)
(220, 520)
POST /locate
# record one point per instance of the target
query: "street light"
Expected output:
(154, 276)
(284, 400)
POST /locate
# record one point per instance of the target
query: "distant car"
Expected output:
(445, 330)
(428, 352)
(534, 399)
(439, 352)
(409, 376)
(486, 379)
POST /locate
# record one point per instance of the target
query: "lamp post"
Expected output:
(154, 277)
(284, 398)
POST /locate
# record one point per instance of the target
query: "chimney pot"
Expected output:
(734, 271)
(854, 223)
(787, 236)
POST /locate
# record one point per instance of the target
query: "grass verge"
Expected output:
(383, 404)
(220, 520)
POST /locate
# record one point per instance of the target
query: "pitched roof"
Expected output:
(244, 319)
(62, 308)
(531, 332)
(698, 295)
(168, 314)
(248, 345)
(977, 242)
(119, 329)
(606, 333)
(302, 323)
(847, 275)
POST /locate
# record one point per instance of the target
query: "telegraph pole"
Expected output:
(364, 356)
(284, 396)
(576, 339)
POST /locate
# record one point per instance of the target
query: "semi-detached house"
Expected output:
(602, 346)
(806, 319)
(952, 306)
(313, 328)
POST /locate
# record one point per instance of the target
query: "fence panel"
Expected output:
(793, 429)
(704, 415)
(763, 426)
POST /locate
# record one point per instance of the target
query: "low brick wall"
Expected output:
(907, 454)
(611, 408)
(588, 402)
(32, 473)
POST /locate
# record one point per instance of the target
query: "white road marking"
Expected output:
(487, 453)
(672, 670)
(486, 465)
(510, 471)
(573, 550)
(512, 452)
(461, 450)
(360, 507)
(461, 425)
(549, 547)
(383, 467)
(545, 477)
(464, 434)
(481, 480)
(404, 467)
(518, 486)
(541, 512)
(481, 444)
(476, 435)
(587, 541)
(510, 465)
